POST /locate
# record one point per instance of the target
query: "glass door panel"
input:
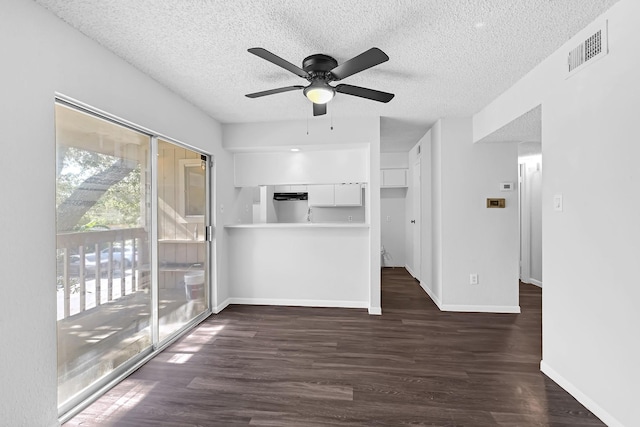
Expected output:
(103, 242)
(182, 248)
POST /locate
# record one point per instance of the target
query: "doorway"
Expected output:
(530, 191)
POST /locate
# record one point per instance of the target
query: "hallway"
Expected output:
(300, 366)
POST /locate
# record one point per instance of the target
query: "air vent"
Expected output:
(594, 47)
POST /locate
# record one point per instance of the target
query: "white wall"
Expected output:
(394, 160)
(426, 211)
(347, 153)
(303, 167)
(434, 288)
(41, 56)
(304, 266)
(590, 249)
(314, 133)
(372, 210)
(468, 237)
(393, 213)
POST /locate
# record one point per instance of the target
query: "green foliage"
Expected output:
(119, 206)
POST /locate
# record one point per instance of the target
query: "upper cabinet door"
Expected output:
(348, 195)
(393, 178)
(321, 195)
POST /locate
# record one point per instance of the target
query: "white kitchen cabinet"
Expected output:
(335, 195)
(348, 195)
(393, 178)
(290, 188)
(321, 195)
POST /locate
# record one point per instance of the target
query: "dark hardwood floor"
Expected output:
(294, 366)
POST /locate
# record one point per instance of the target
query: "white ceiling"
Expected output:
(526, 128)
(447, 58)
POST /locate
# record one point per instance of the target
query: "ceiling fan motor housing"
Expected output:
(319, 64)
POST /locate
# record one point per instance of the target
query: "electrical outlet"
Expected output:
(473, 279)
(388, 218)
(350, 218)
(221, 208)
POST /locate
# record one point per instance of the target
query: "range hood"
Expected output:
(290, 196)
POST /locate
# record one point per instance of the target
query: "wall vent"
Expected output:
(594, 47)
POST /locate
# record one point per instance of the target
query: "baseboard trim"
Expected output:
(433, 296)
(469, 308)
(530, 281)
(217, 309)
(299, 303)
(535, 282)
(406, 267)
(574, 391)
(375, 311)
(513, 309)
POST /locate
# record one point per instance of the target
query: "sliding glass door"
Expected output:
(103, 244)
(132, 247)
(182, 239)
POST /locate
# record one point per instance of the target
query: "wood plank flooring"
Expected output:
(296, 366)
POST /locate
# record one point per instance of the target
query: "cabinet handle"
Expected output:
(413, 221)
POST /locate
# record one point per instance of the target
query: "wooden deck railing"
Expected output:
(73, 274)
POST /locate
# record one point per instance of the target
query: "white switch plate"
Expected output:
(473, 279)
(506, 186)
(557, 203)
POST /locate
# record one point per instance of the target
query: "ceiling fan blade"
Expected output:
(265, 54)
(363, 92)
(273, 91)
(319, 109)
(368, 59)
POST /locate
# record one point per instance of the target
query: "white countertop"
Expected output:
(302, 225)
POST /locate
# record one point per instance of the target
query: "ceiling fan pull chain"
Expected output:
(332, 118)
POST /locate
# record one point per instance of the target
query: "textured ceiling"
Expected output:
(447, 58)
(526, 128)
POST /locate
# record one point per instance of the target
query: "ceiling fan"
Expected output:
(320, 70)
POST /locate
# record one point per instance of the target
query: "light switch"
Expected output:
(557, 203)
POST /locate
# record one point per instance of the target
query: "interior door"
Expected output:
(415, 222)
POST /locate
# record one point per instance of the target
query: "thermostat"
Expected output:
(496, 203)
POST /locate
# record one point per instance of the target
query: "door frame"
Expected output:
(416, 221)
(83, 399)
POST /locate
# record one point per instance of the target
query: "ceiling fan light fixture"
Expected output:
(319, 92)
